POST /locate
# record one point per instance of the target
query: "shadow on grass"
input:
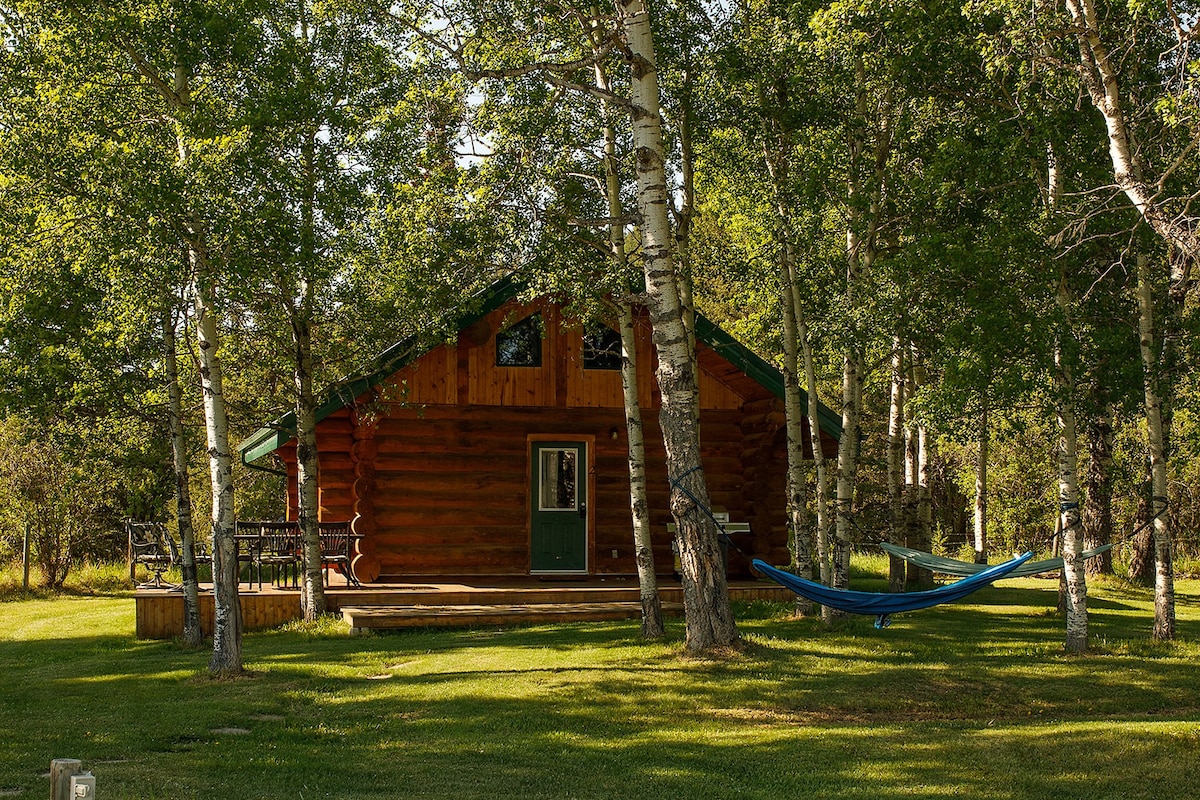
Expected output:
(976, 701)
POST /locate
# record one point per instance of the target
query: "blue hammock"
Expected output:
(884, 604)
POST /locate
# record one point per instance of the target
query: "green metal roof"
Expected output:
(271, 437)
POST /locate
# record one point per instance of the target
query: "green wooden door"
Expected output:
(558, 506)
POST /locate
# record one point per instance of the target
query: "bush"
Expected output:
(41, 489)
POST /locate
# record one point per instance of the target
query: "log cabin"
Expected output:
(502, 450)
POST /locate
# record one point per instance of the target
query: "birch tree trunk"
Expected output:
(312, 595)
(653, 626)
(1101, 79)
(866, 188)
(794, 410)
(193, 636)
(227, 612)
(227, 609)
(918, 576)
(687, 208)
(797, 502)
(639, 505)
(847, 471)
(981, 498)
(706, 595)
(896, 473)
(814, 426)
(1164, 580)
(1074, 578)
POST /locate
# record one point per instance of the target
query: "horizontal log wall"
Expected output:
(452, 492)
(448, 481)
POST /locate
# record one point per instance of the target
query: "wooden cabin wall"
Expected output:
(440, 480)
(452, 486)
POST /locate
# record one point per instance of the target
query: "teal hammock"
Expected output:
(883, 604)
(952, 566)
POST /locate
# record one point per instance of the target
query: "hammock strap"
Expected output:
(722, 534)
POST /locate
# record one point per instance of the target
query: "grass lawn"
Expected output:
(974, 701)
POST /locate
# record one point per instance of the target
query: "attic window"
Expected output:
(521, 344)
(601, 349)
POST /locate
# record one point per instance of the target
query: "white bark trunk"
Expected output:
(921, 535)
(639, 504)
(819, 466)
(1101, 80)
(227, 614)
(794, 408)
(706, 596)
(896, 473)
(1074, 576)
(981, 492)
(193, 636)
(301, 308)
(227, 608)
(867, 160)
(1164, 580)
(312, 595)
(797, 502)
(916, 575)
(847, 472)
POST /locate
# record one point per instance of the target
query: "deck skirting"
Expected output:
(159, 612)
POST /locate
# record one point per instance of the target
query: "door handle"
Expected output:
(583, 509)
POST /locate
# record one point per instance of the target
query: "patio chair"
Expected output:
(279, 549)
(248, 538)
(337, 550)
(151, 546)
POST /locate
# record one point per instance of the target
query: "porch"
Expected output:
(442, 602)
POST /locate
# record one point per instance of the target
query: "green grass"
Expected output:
(972, 701)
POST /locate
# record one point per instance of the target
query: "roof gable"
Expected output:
(344, 392)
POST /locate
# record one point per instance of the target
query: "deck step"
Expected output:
(393, 616)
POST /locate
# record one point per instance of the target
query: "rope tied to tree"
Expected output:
(722, 534)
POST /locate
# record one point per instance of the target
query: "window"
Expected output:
(601, 349)
(559, 470)
(521, 344)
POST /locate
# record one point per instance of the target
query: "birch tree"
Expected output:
(1074, 577)
(328, 102)
(193, 636)
(158, 52)
(1147, 186)
(1145, 96)
(652, 619)
(1164, 577)
(710, 622)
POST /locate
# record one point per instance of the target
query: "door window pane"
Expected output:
(558, 473)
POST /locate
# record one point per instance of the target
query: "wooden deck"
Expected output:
(460, 602)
